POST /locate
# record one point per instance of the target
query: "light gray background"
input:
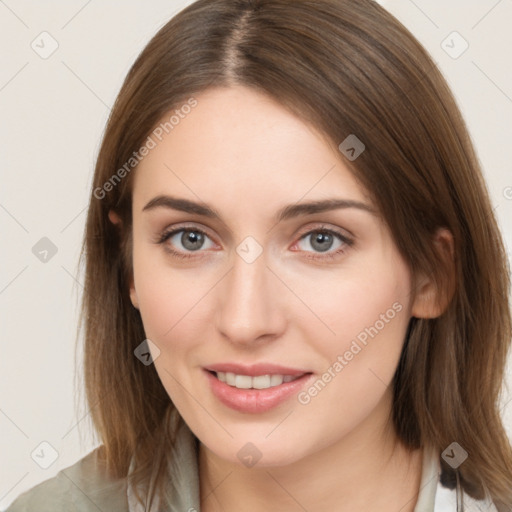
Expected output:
(53, 112)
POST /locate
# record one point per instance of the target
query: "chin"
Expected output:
(256, 451)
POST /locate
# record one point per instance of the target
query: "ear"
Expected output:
(114, 217)
(116, 220)
(430, 302)
(133, 294)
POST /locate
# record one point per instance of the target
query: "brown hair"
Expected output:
(346, 67)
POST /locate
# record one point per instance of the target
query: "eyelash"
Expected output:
(326, 256)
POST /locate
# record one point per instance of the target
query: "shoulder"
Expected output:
(82, 486)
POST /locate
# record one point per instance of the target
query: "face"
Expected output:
(254, 288)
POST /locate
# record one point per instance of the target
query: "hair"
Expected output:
(344, 67)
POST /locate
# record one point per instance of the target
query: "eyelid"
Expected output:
(344, 233)
(170, 230)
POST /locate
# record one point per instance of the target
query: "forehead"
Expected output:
(240, 146)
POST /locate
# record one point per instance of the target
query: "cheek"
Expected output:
(171, 301)
(167, 304)
(358, 303)
(360, 358)
(372, 313)
(368, 312)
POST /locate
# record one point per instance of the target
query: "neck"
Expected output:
(368, 469)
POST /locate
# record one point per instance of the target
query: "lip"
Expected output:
(255, 401)
(256, 369)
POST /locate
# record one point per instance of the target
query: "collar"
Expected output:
(434, 496)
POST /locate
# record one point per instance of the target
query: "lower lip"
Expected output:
(255, 400)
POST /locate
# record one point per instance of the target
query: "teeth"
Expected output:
(258, 382)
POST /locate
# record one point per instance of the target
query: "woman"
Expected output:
(234, 362)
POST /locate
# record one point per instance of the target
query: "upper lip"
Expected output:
(254, 370)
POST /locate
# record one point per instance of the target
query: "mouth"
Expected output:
(255, 389)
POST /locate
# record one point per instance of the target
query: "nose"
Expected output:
(249, 307)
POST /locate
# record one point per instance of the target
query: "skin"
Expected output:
(247, 157)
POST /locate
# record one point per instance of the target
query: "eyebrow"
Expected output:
(288, 212)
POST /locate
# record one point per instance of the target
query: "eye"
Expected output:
(322, 240)
(186, 239)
